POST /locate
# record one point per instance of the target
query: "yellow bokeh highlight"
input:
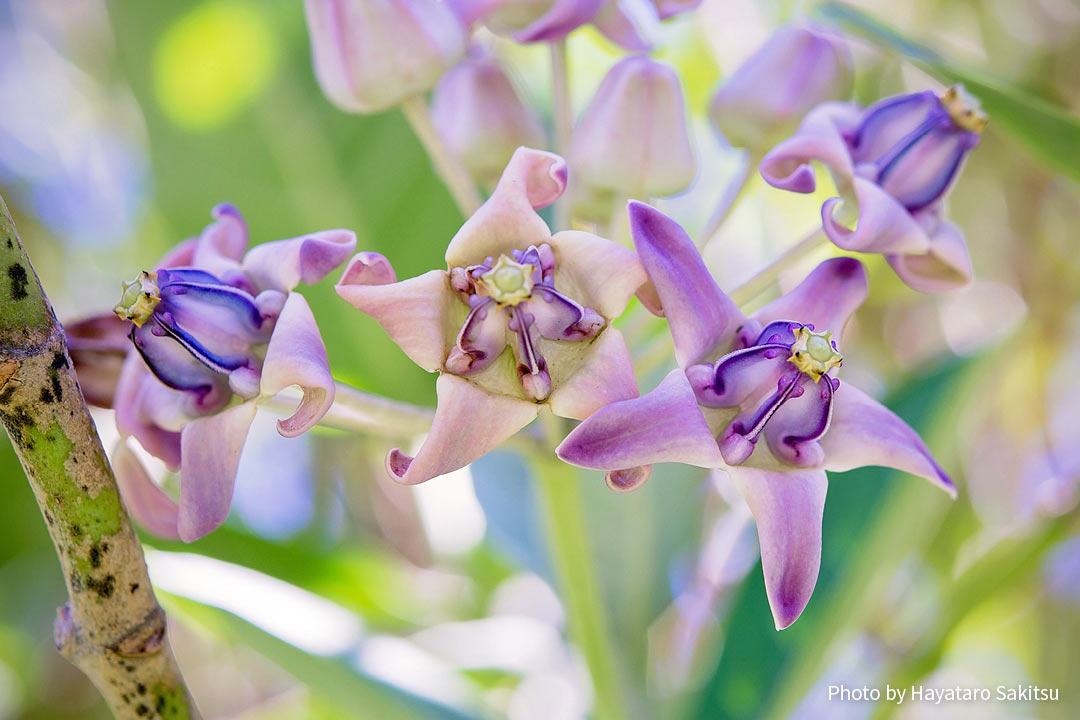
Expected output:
(212, 62)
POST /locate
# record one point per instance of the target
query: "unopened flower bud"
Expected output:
(768, 95)
(633, 140)
(371, 54)
(482, 119)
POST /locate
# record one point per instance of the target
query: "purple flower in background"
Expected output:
(371, 54)
(215, 330)
(550, 298)
(632, 141)
(98, 346)
(768, 95)
(758, 397)
(896, 160)
(481, 117)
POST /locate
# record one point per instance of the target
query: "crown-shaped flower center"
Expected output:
(508, 282)
(964, 109)
(141, 296)
(814, 354)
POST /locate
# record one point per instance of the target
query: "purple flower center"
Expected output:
(772, 378)
(513, 301)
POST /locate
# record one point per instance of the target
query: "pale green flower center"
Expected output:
(964, 109)
(508, 282)
(140, 297)
(813, 353)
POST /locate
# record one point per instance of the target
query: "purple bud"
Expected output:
(768, 95)
(371, 54)
(482, 119)
(533, 20)
(633, 139)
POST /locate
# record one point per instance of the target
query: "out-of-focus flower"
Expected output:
(896, 160)
(632, 140)
(630, 23)
(742, 379)
(215, 330)
(551, 298)
(98, 346)
(768, 95)
(371, 54)
(481, 117)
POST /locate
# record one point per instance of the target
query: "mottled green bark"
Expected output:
(112, 627)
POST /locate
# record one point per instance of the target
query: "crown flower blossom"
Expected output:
(520, 318)
(632, 140)
(767, 96)
(481, 117)
(895, 161)
(370, 55)
(214, 331)
(757, 396)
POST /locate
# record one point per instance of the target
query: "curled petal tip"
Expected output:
(623, 481)
(226, 209)
(800, 180)
(397, 464)
(544, 174)
(368, 268)
(321, 252)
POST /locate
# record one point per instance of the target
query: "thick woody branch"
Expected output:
(112, 627)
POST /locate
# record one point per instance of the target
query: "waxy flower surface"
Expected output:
(521, 317)
(768, 95)
(896, 160)
(633, 140)
(757, 396)
(370, 55)
(215, 330)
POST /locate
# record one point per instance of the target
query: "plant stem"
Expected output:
(563, 514)
(759, 283)
(112, 627)
(452, 173)
(561, 118)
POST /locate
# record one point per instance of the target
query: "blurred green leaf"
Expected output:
(354, 694)
(1046, 131)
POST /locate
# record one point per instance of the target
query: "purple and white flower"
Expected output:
(757, 396)
(895, 160)
(509, 283)
(216, 330)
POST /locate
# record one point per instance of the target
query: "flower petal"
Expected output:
(147, 503)
(701, 316)
(210, 451)
(413, 312)
(884, 225)
(947, 265)
(481, 340)
(176, 367)
(221, 244)
(563, 17)
(507, 220)
(794, 430)
(787, 507)
(865, 432)
(297, 356)
(888, 121)
(633, 24)
(606, 377)
(98, 346)
(597, 272)
(825, 299)
(739, 374)
(284, 264)
(469, 422)
(131, 419)
(664, 425)
(820, 137)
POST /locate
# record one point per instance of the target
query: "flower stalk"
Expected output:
(452, 172)
(111, 627)
(753, 288)
(562, 119)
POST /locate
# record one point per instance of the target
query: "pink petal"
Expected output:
(533, 179)
(820, 137)
(284, 264)
(606, 377)
(596, 272)
(826, 298)
(413, 312)
(947, 265)
(665, 425)
(884, 225)
(633, 24)
(787, 507)
(211, 449)
(98, 346)
(147, 503)
(562, 18)
(865, 432)
(296, 356)
(702, 318)
(180, 256)
(222, 242)
(132, 418)
(469, 422)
